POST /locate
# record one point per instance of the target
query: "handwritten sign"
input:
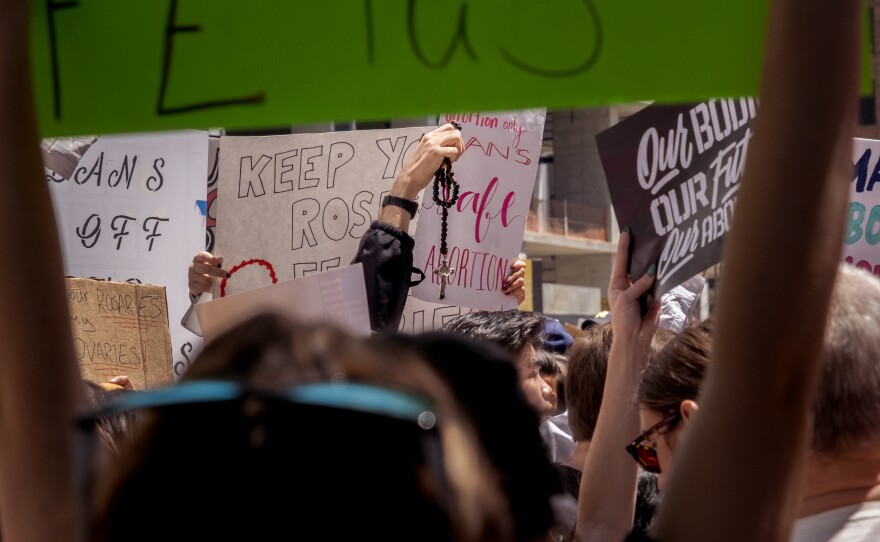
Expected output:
(120, 329)
(863, 220)
(496, 174)
(129, 212)
(673, 173)
(295, 205)
(337, 296)
(421, 316)
(201, 63)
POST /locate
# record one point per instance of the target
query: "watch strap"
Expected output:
(405, 204)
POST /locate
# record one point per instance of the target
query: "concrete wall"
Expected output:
(577, 170)
(566, 299)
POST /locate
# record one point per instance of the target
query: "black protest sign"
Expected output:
(673, 173)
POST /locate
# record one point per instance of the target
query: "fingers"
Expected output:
(453, 139)
(208, 258)
(203, 270)
(123, 381)
(519, 283)
(210, 270)
(447, 144)
(621, 258)
(639, 287)
(650, 322)
(516, 280)
(512, 277)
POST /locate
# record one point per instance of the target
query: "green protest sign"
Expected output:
(104, 66)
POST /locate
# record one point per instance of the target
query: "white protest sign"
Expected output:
(420, 316)
(496, 174)
(337, 296)
(294, 205)
(130, 212)
(863, 219)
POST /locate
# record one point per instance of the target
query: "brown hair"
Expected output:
(585, 376)
(228, 462)
(678, 370)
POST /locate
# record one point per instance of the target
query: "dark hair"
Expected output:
(550, 364)
(512, 330)
(239, 464)
(488, 387)
(585, 376)
(846, 409)
(115, 429)
(678, 370)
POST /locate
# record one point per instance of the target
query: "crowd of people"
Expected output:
(752, 425)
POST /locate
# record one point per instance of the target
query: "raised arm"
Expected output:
(607, 499)
(39, 378)
(745, 451)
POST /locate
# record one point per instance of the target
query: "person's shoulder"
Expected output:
(854, 523)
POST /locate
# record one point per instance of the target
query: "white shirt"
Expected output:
(855, 523)
(557, 438)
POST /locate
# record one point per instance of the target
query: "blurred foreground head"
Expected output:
(329, 436)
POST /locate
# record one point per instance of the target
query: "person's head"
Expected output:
(281, 427)
(603, 317)
(487, 385)
(556, 338)
(667, 396)
(846, 409)
(517, 332)
(585, 376)
(550, 370)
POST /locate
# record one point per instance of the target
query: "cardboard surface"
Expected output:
(121, 329)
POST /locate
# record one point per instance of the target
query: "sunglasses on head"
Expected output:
(646, 456)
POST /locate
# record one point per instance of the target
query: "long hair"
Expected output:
(268, 469)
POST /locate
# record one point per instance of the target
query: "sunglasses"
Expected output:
(645, 455)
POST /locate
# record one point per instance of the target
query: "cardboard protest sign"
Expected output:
(131, 211)
(673, 173)
(200, 63)
(295, 205)
(496, 174)
(863, 220)
(120, 329)
(337, 296)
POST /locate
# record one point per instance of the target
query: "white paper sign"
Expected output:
(295, 205)
(337, 296)
(496, 174)
(421, 316)
(862, 234)
(130, 211)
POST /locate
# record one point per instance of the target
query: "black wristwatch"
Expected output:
(404, 204)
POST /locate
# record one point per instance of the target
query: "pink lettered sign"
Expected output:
(496, 175)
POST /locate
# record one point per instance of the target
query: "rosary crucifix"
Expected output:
(444, 272)
(445, 179)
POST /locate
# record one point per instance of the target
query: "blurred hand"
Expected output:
(204, 268)
(419, 169)
(623, 296)
(515, 283)
(124, 382)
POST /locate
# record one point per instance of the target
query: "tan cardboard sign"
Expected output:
(121, 329)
